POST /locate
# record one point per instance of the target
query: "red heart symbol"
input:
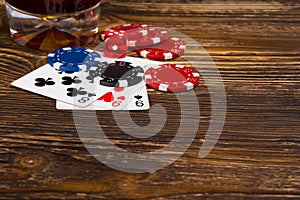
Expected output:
(122, 98)
(108, 97)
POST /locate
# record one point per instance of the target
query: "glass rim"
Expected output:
(56, 15)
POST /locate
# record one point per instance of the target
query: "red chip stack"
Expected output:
(151, 43)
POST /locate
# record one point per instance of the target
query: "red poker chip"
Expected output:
(130, 31)
(115, 47)
(169, 49)
(110, 32)
(155, 36)
(172, 78)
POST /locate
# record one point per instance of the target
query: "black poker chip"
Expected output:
(117, 74)
(97, 71)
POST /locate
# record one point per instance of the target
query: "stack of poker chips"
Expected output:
(151, 43)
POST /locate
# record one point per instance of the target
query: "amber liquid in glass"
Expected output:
(52, 24)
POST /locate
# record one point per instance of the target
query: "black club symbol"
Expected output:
(69, 80)
(73, 92)
(41, 82)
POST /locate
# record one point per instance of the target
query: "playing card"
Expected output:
(131, 98)
(73, 88)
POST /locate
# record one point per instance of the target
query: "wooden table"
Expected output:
(254, 44)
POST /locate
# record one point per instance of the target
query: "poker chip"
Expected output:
(172, 78)
(115, 47)
(96, 71)
(73, 59)
(118, 74)
(122, 74)
(169, 49)
(109, 33)
(155, 36)
(131, 32)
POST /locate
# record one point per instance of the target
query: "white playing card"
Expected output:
(70, 88)
(136, 98)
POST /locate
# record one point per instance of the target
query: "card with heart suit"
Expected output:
(131, 98)
(71, 88)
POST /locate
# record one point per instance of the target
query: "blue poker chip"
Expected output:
(73, 59)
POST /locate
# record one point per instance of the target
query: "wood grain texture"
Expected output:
(255, 45)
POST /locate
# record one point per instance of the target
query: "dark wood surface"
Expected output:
(256, 47)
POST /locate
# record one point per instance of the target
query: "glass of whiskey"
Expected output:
(51, 24)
